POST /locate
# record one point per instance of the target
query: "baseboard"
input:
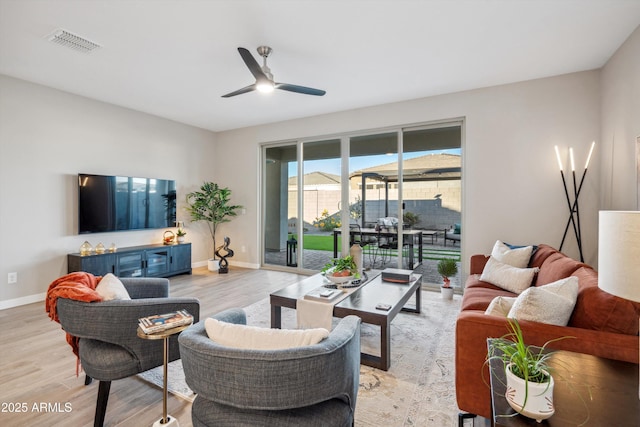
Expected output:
(231, 263)
(16, 302)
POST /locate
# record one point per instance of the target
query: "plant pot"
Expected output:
(213, 264)
(533, 400)
(446, 293)
(180, 239)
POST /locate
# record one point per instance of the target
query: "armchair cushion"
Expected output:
(110, 288)
(252, 337)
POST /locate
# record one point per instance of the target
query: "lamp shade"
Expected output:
(619, 254)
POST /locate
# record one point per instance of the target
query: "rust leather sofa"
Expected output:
(602, 324)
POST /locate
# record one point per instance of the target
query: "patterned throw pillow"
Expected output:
(518, 257)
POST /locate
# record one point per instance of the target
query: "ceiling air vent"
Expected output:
(72, 41)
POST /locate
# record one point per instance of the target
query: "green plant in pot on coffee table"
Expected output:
(341, 267)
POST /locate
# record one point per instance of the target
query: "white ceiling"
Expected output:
(175, 58)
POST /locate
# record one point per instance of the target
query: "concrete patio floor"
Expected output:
(316, 260)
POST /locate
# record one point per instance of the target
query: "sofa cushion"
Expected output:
(552, 303)
(500, 306)
(515, 257)
(256, 338)
(507, 277)
(555, 267)
(111, 288)
(599, 310)
(541, 254)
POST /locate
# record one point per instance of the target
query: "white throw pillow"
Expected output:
(110, 288)
(510, 278)
(552, 303)
(518, 257)
(256, 338)
(500, 306)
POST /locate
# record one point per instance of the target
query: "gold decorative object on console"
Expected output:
(169, 237)
(100, 249)
(86, 248)
(113, 248)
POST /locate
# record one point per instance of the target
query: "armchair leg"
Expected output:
(101, 404)
(87, 380)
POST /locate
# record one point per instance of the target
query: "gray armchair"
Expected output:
(315, 385)
(109, 346)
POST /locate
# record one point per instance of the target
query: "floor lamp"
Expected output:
(574, 211)
(618, 254)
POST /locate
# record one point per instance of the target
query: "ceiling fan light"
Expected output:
(265, 87)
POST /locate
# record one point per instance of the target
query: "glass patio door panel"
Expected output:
(432, 193)
(280, 205)
(321, 202)
(373, 195)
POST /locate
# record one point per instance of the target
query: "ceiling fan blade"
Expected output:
(300, 89)
(240, 91)
(252, 64)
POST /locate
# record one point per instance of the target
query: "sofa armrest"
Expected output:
(477, 263)
(474, 327)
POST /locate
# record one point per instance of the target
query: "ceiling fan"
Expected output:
(264, 79)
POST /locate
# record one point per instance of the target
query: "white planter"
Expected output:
(533, 400)
(213, 264)
(446, 293)
(180, 239)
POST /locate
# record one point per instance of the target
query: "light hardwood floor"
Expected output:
(37, 367)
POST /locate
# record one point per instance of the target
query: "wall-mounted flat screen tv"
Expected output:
(117, 203)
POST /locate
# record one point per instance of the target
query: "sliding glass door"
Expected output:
(393, 191)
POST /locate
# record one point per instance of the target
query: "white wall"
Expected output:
(511, 183)
(46, 138)
(620, 81)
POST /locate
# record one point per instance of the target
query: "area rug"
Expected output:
(418, 389)
(176, 383)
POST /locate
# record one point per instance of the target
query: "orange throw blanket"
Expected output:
(79, 286)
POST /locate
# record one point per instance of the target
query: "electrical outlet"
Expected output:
(467, 422)
(12, 278)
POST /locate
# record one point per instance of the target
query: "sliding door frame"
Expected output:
(345, 138)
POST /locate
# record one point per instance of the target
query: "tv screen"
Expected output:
(116, 203)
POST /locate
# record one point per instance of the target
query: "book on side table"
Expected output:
(162, 322)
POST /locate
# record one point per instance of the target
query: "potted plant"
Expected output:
(212, 205)
(341, 270)
(447, 268)
(181, 233)
(529, 380)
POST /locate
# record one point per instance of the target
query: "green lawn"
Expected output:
(319, 242)
(325, 243)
